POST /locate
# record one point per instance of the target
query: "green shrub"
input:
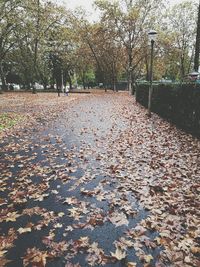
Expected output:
(179, 103)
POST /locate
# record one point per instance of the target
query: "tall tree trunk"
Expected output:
(36, 43)
(197, 45)
(114, 77)
(130, 72)
(3, 78)
(70, 81)
(182, 68)
(58, 88)
(83, 80)
(130, 50)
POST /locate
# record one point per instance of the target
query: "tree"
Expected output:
(9, 22)
(130, 21)
(40, 20)
(197, 44)
(106, 53)
(180, 25)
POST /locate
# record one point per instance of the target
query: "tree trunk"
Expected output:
(182, 68)
(3, 78)
(70, 83)
(114, 77)
(130, 50)
(58, 89)
(36, 43)
(130, 59)
(197, 45)
(83, 80)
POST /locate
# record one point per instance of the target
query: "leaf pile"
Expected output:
(100, 185)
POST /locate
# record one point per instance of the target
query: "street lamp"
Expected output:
(152, 37)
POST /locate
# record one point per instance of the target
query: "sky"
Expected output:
(87, 4)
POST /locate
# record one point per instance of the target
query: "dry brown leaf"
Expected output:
(36, 257)
(118, 219)
(4, 262)
(195, 250)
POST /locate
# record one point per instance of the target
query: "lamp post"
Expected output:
(152, 37)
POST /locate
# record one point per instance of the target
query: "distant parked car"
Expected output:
(166, 81)
(39, 86)
(16, 86)
(193, 76)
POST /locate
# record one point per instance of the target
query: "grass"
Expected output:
(8, 120)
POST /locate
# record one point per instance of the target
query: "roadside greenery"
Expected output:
(177, 102)
(8, 120)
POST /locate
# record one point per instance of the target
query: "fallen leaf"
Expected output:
(147, 258)
(131, 264)
(58, 225)
(2, 252)
(24, 230)
(61, 214)
(118, 219)
(118, 254)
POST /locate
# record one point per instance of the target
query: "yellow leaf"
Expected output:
(148, 258)
(58, 225)
(61, 214)
(2, 252)
(12, 216)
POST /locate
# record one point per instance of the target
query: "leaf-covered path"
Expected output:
(100, 185)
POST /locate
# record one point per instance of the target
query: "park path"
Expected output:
(100, 185)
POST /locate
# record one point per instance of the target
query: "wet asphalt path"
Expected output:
(73, 171)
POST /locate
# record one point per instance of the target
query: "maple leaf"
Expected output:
(2, 252)
(70, 200)
(58, 225)
(36, 257)
(118, 219)
(3, 201)
(69, 264)
(187, 260)
(131, 264)
(55, 192)
(195, 250)
(24, 230)
(118, 254)
(126, 242)
(69, 228)
(12, 216)
(4, 261)
(147, 258)
(61, 214)
(75, 212)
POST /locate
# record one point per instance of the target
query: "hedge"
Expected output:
(178, 103)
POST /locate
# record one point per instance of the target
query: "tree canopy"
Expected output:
(43, 42)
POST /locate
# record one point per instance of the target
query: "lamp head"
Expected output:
(152, 35)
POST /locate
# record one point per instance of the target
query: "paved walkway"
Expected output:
(102, 185)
